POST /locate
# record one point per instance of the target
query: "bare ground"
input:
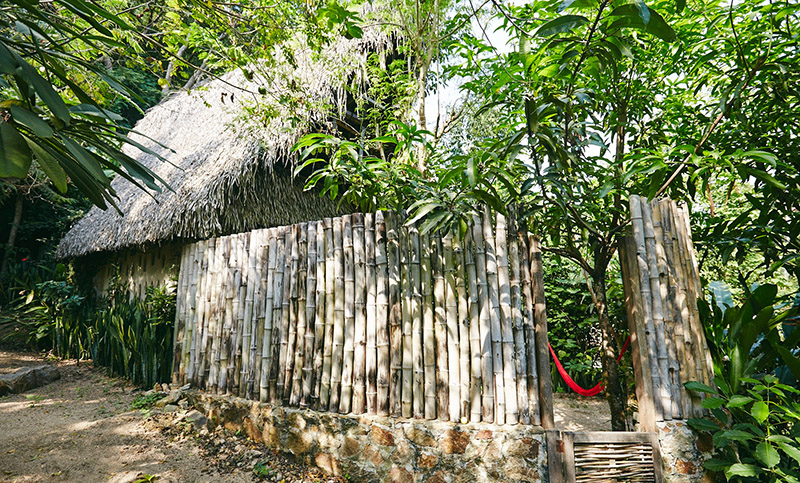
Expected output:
(573, 412)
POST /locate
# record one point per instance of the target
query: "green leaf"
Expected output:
(767, 454)
(15, 155)
(565, 23)
(713, 402)
(703, 425)
(630, 17)
(50, 166)
(738, 401)
(760, 411)
(699, 387)
(790, 449)
(737, 435)
(28, 119)
(741, 469)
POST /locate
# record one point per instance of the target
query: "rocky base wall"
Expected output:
(374, 448)
(683, 453)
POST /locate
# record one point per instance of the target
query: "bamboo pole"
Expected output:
(382, 316)
(196, 315)
(462, 314)
(338, 326)
(217, 274)
(520, 355)
(319, 316)
(644, 280)
(249, 278)
(393, 261)
(330, 316)
(238, 304)
(473, 317)
(416, 325)
(542, 351)
(226, 304)
(360, 323)
(453, 342)
(290, 310)
(371, 359)
(669, 312)
(286, 316)
(299, 304)
(346, 401)
(506, 323)
(658, 311)
(487, 376)
(408, 358)
(253, 391)
(493, 285)
(277, 315)
(180, 302)
(529, 330)
(188, 310)
(311, 312)
(266, 347)
(430, 337)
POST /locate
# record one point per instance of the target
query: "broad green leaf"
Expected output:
(713, 402)
(630, 17)
(699, 387)
(50, 166)
(15, 156)
(760, 411)
(738, 401)
(737, 435)
(32, 121)
(565, 23)
(703, 425)
(791, 449)
(767, 454)
(741, 469)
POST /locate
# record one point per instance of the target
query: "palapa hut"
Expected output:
(229, 163)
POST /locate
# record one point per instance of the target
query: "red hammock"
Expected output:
(572, 384)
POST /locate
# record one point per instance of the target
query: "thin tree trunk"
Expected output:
(12, 234)
(614, 393)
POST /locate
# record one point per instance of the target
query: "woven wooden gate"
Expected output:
(602, 456)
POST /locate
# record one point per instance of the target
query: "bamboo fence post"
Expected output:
(346, 401)
(319, 316)
(493, 285)
(636, 327)
(520, 356)
(330, 315)
(284, 382)
(644, 281)
(311, 312)
(180, 302)
(238, 302)
(506, 323)
(453, 342)
(372, 294)
(247, 319)
(299, 306)
(431, 337)
(382, 316)
(226, 301)
(360, 323)
(529, 330)
(473, 316)
(190, 307)
(196, 315)
(277, 315)
(416, 325)
(266, 347)
(338, 324)
(393, 256)
(290, 309)
(487, 375)
(462, 313)
(542, 350)
(669, 312)
(218, 305)
(658, 310)
(253, 392)
(408, 359)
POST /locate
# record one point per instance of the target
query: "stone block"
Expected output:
(427, 460)
(27, 378)
(399, 475)
(455, 441)
(382, 436)
(420, 436)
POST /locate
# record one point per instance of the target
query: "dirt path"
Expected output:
(572, 412)
(81, 428)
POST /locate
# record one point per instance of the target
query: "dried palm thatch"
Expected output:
(229, 153)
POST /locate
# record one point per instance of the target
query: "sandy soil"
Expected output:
(572, 412)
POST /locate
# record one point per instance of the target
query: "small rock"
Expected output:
(174, 396)
(170, 408)
(183, 404)
(27, 378)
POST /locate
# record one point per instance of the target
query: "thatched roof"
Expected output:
(230, 169)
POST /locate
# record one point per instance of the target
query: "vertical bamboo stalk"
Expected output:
(484, 320)
(218, 275)
(311, 312)
(416, 324)
(196, 316)
(227, 326)
(393, 262)
(382, 316)
(658, 310)
(238, 333)
(338, 323)
(266, 347)
(284, 382)
(473, 318)
(520, 355)
(453, 342)
(462, 313)
(188, 311)
(493, 285)
(275, 394)
(644, 280)
(372, 294)
(330, 316)
(506, 323)
(180, 302)
(253, 391)
(299, 280)
(408, 358)
(529, 330)
(431, 339)
(360, 324)
(345, 403)
(248, 318)
(542, 351)
(319, 320)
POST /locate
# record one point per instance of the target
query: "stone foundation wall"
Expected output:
(375, 448)
(683, 452)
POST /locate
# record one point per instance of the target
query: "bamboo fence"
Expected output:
(662, 284)
(363, 314)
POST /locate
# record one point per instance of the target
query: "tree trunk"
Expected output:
(614, 392)
(12, 234)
